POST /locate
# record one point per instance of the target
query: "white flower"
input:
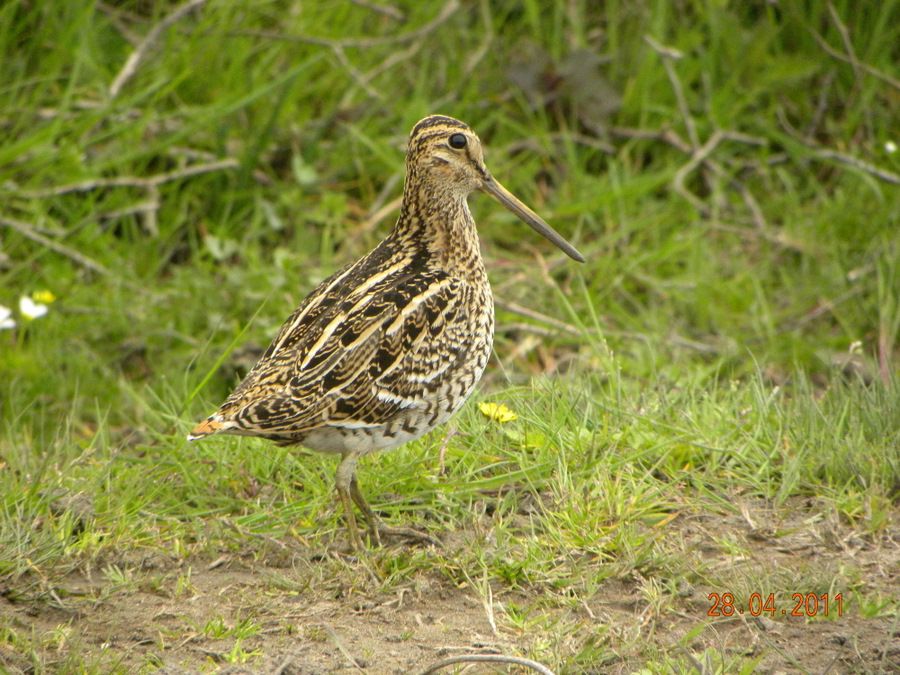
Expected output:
(30, 309)
(890, 147)
(6, 320)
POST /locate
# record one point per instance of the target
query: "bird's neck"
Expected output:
(438, 222)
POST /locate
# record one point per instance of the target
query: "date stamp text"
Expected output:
(802, 604)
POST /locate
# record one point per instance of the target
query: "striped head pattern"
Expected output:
(446, 155)
(447, 152)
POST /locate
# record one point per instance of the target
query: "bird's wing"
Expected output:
(349, 355)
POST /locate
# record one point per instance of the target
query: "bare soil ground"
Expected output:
(346, 621)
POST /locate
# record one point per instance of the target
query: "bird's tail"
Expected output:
(211, 425)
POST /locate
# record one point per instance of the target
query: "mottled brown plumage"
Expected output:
(391, 346)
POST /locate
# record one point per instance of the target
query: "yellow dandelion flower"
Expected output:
(43, 296)
(497, 412)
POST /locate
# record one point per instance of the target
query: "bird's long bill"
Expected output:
(510, 201)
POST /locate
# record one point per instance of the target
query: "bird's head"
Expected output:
(446, 151)
(445, 155)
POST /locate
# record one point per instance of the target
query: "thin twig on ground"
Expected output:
(136, 208)
(848, 43)
(522, 327)
(487, 601)
(448, 10)
(149, 219)
(759, 218)
(821, 105)
(672, 138)
(339, 46)
(118, 17)
(560, 137)
(285, 664)
(824, 306)
(473, 59)
(856, 163)
(819, 152)
(149, 208)
(668, 55)
(487, 658)
(357, 76)
(858, 72)
(379, 8)
(516, 308)
(698, 157)
(375, 219)
(665, 135)
(364, 79)
(340, 645)
(871, 70)
(383, 195)
(776, 238)
(180, 152)
(131, 181)
(29, 232)
(137, 56)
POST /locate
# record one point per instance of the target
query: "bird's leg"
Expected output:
(373, 520)
(343, 482)
(378, 528)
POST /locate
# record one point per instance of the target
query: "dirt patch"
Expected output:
(291, 610)
(300, 632)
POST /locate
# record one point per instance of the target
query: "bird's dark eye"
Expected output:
(458, 141)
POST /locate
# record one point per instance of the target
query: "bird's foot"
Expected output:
(380, 531)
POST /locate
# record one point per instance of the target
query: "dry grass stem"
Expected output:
(28, 231)
(447, 11)
(858, 164)
(874, 72)
(669, 55)
(487, 658)
(131, 181)
(139, 54)
(516, 308)
(341, 647)
(381, 8)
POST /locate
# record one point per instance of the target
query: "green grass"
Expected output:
(722, 372)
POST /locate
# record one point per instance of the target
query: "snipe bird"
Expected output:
(391, 346)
